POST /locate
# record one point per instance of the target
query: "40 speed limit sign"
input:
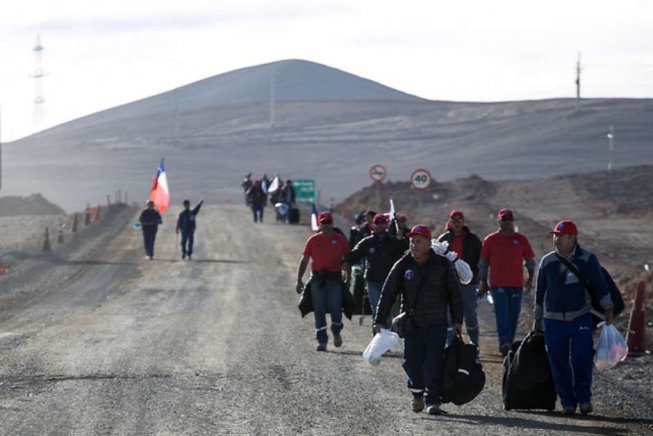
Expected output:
(420, 179)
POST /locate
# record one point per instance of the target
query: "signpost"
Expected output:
(304, 190)
(420, 179)
(377, 173)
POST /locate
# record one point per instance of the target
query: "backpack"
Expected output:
(462, 377)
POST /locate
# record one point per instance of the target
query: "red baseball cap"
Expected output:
(380, 218)
(456, 214)
(565, 227)
(325, 216)
(505, 215)
(419, 230)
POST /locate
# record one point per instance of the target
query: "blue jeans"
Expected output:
(257, 212)
(507, 306)
(423, 360)
(569, 346)
(187, 243)
(468, 294)
(327, 299)
(373, 293)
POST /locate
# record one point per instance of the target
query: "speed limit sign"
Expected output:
(420, 179)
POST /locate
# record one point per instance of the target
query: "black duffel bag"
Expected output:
(462, 376)
(530, 365)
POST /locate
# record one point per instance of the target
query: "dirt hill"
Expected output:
(35, 204)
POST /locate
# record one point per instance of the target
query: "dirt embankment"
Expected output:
(613, 211)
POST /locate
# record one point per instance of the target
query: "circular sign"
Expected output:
(377, 172)
(420, 179)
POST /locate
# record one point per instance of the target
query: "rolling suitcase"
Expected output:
(293, 218)
(539, 396)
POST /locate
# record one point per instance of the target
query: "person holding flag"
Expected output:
(150, 220)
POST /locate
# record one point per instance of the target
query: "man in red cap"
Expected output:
(326, 250)
(468, 247)
(568, 280)
(380, 251)
(428, 287)
(505, 253)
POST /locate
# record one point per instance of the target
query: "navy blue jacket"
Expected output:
(186, 220)
(150, 220)
(380, 251)
(560, 295)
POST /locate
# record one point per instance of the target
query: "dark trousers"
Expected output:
(187, 243)
(257, 212)
(149, 235)
(423, 361)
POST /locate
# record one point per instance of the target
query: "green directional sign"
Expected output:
(304, 190)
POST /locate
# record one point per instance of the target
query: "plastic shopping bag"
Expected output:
(611, 348)
(380, 343)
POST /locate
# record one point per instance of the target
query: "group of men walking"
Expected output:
(402, 264)
(280, 195)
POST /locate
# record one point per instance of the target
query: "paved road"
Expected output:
(112, 343)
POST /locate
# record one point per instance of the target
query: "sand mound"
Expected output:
(35, 204)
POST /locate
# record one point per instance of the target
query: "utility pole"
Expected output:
(578, 69)
(38, 75)
(610, 136)
(272, 100)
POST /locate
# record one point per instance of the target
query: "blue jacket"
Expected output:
(186, 221)
(560, 295)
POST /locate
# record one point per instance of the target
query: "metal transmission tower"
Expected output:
(578, 69)
(38, 75)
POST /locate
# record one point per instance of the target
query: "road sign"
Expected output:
(420, 179)
(304, 190)
(377, 173)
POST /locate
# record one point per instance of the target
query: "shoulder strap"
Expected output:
(571, 267)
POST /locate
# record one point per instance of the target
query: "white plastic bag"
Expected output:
(380, 343)
(611, 349)
(464, 272)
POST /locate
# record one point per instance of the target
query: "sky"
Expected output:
(100, 54)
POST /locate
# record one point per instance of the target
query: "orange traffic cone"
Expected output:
(636, 336)
(3, 269)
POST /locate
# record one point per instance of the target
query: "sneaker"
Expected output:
(321, 347)
(586, 408)
(189, 257)
(568, 410)
(148, 258)
(337, 340)
(504, 349)
(418, 404)
(434, 409)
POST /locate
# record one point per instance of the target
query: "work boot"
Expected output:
(586, 408)
(337, 340)
(321, 347)
(418, 404)
(568, 410)
(434, 409)
(504, 349)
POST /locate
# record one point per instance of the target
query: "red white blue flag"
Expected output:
(159, 193)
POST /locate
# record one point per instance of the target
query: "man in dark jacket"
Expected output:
(428, 286)
(468, 247)
(256, 199)
(186, 225)
(150, 220)
(380, 251)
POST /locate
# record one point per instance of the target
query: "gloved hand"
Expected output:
(439, 247)
(451, 256)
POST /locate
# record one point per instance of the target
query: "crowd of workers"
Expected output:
(280, 195)
(420, 272)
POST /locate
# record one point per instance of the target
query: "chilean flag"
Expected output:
(159, 192)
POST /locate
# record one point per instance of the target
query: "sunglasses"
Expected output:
(507, 218)
(326, 222)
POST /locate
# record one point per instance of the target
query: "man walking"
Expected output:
(256, 199)
(150, 220)
(325, 250)
(468, 247)
(380, 251)
(562, 306)
(428, 286)
(186, 225)
(505, 253)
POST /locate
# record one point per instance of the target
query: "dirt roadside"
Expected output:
(217, 346)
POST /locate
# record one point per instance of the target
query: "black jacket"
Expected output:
(431, 298)
(471, 249)
(186, 220)
(380, 251)
(150, 220)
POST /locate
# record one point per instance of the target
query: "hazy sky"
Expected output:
(99, 54)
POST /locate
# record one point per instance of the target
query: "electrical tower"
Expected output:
(578, 69)
(38, 75)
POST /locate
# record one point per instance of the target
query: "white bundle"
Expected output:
(464, 272)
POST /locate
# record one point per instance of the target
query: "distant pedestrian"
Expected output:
(428, 287)
(325, 250)
(505, 253)
(186, 226)
(256, 198)
(288, 198)
(150, 219)
(246, 184)
(562, 307)
(468, 246)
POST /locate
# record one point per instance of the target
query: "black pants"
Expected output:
(149, 235)
(187, 243)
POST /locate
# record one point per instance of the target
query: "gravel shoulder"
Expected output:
(104, 342)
